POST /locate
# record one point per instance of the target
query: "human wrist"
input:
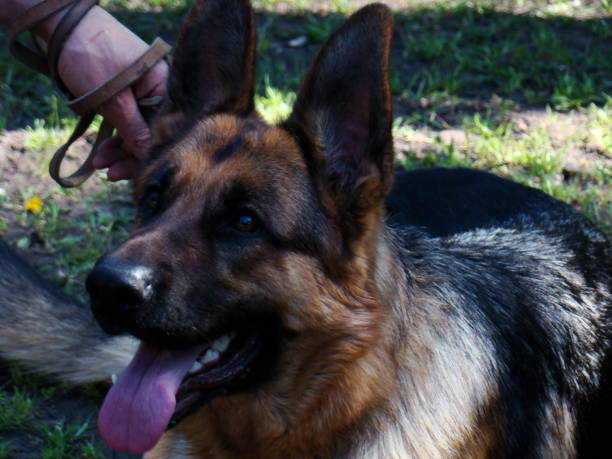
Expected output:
(13, 8)
(101, 46)
(47, 27)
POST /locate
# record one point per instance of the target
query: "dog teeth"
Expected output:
(210, 356)
(196, 366)
(221, 344)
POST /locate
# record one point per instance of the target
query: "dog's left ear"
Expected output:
(343, 114)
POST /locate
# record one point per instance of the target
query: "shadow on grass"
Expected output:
(449, 62)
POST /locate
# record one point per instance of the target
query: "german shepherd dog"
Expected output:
(292, 297)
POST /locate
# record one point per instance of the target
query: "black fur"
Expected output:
(521, 270)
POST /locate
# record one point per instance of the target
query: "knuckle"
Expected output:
(139, 141)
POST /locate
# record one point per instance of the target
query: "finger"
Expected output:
(107, 158)
(112, 142)
(122, 170)
(109, 151)
(153, 83)
(122, 112)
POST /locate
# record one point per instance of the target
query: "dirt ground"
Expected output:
(21, 170)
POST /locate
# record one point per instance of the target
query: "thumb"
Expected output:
(123, 113)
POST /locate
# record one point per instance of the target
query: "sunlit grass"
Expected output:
(275, 105)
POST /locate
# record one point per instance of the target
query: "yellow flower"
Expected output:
(33, 204)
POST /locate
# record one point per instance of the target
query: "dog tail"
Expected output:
(48, 333)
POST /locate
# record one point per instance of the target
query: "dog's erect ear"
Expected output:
(213, 63)
(343, 113)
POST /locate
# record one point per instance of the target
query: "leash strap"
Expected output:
(87, 104)
(33, 58)
(64, 29)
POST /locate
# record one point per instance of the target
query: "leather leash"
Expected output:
(87, 104)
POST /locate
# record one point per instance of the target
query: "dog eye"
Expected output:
(151, 201)
(246, 222)
(150, 204)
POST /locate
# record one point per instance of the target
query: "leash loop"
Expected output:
(86, 105)
(89, 102)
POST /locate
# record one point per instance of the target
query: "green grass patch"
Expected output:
(28, 421)
(26, 380)
(63, 441)
(77, 232)
(541, 156)
(6, 450)
(600, 127)
(16, 409)
(274, 105)
(476, 52)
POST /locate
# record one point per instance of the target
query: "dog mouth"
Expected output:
(160, 387)
(223, 366)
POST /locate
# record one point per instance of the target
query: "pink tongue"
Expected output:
(137, 409)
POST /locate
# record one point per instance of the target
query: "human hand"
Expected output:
(99, 48)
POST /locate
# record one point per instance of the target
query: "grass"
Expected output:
(15, 410)
(79, 238)
(23, 403)
(275, 104)
(6, 450)
(61, 440)
(464, 53)
(520, 88)
(18, 412)
(533, 156)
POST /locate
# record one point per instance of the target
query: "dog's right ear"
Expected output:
(213, 63)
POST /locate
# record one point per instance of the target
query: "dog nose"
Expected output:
(118, 290)
(128, 285)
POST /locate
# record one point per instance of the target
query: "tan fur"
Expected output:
(65, 350)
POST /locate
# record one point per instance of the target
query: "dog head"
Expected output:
(251, 266)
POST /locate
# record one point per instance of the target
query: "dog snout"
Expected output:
(118, 290)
